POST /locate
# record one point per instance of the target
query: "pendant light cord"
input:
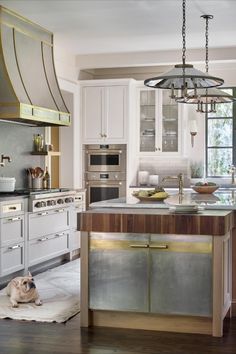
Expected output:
(184, 32)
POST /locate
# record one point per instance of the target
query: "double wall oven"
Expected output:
(105, 172)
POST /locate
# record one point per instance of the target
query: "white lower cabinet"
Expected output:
(46, 247)
(12, 258)
(49, 235)
(12, 237)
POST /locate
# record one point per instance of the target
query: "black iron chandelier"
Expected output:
(183, 77)
(206, 99)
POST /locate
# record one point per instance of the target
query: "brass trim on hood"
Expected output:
(29, 94)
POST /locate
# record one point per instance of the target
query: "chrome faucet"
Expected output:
(232, 169)
(180, 181)
(3, 157)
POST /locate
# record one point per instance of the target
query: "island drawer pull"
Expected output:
(43, 213)
(159, 247)
(59, 210)
(14, 247)
(139, 246)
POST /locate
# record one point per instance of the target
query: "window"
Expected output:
(220, 138)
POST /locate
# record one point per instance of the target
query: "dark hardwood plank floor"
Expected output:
(21, 337)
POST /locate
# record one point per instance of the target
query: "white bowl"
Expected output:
(7, 184)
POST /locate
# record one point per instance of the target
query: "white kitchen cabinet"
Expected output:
(159, 122)
(105, 111)
(12, 237)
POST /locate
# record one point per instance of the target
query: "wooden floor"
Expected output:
(21, 337)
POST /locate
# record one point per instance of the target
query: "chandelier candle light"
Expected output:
(206, 99)
(183, 77)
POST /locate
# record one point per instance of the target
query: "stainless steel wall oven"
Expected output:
(105, 158)
(105, 172)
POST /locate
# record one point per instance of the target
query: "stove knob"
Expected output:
(43, 204)
(51, 202)
(60, 201)
(69, 200)
(38, 205)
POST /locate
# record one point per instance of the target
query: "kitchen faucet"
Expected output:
(232, 169)
(3, 157)
(179, 177)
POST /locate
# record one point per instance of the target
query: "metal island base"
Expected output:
(149, 269)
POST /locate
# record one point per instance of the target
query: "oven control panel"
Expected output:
(50, 203)
(105, 176)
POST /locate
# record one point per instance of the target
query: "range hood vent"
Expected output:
(29, 90)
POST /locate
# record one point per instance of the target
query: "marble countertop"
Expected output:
(224, 199)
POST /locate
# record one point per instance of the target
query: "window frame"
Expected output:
(222, 147)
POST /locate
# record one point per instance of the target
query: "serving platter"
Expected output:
(149, 199)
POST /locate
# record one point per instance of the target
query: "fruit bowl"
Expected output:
(157, 194)
(205, 189)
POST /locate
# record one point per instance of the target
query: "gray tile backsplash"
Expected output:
(167, 167)
(16, 141)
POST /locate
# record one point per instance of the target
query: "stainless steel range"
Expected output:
(49, 199)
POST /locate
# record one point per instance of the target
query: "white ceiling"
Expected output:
(111, 26)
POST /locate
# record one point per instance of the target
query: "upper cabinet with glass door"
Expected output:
(159, 127)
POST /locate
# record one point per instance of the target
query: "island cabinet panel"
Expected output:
(181, 275)
(118, 272)
(165, 274)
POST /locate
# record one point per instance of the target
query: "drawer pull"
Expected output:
(43, 239)
(14, 247)
(12, 207)
(59, 210)
(159, 247)
(60, 234)
(13, 219)
(139, 246)
(42, 214)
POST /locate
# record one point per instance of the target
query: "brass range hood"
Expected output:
(29, 90)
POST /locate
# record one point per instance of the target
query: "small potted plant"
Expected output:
(197, 171)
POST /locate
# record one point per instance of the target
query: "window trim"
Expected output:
(233, 147)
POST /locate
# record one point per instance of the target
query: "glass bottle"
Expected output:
(46, 179)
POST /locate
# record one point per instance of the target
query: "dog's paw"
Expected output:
(15, 304)
(38, 302)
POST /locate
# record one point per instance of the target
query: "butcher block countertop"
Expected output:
(158, 221)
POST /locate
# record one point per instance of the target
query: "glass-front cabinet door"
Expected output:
(159, 128)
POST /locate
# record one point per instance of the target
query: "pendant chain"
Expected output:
(206, 35)
(184, 32)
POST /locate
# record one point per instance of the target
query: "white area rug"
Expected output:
(59, 289)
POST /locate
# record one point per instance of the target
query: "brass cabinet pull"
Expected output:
(159, 247)
(139, 246)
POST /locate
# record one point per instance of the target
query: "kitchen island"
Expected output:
(151, 269)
